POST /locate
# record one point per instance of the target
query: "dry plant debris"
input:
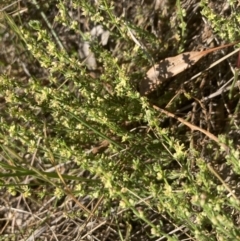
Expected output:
(172, 66)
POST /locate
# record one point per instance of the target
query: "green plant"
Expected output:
(88, 149)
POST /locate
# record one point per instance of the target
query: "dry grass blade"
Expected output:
(172, 66)
(222, 181)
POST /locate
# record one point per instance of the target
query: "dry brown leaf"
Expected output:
(101, 147)
(172, 66)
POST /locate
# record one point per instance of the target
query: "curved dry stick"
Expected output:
(193, 127)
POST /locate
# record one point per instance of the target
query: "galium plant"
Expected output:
(147, 174)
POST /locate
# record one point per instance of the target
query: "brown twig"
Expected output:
(193, 127)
